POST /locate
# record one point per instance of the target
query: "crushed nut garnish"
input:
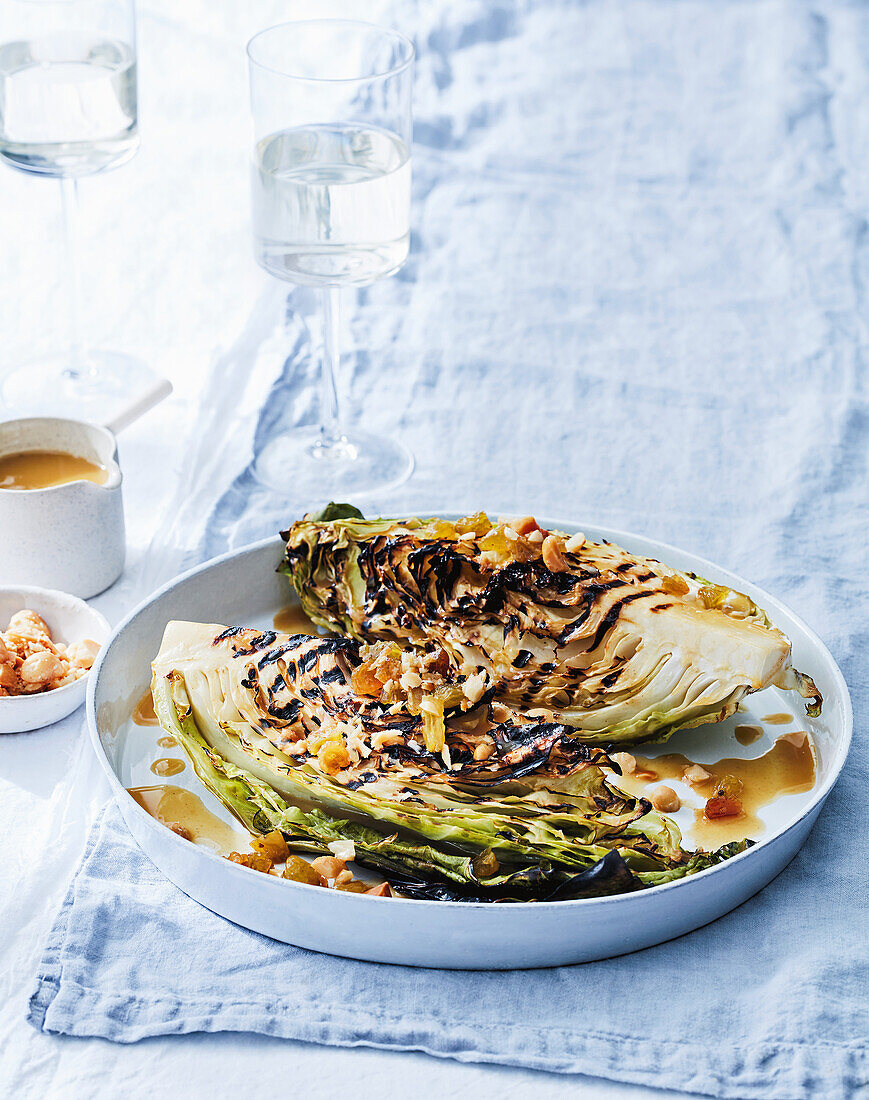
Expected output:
(553, 559)
(665, 799)
(324, 871)
(31, 662)
(626, 762)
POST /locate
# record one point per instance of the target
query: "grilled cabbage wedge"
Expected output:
(274, 728)
(617, 647)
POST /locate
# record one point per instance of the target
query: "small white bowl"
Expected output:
(70, 620)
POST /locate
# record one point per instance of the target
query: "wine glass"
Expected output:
(68, 109)
(331, 104)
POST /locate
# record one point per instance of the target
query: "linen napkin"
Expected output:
(714, 1012)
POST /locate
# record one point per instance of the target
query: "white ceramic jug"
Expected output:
(68, 536)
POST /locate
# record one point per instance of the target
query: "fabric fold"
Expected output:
(130, 956)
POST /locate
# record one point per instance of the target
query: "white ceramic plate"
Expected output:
(243, 588)
(69, 619)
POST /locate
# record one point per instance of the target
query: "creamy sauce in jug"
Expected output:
(43, 469)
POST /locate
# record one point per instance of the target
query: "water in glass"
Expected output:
(67, 104)
(331, 204)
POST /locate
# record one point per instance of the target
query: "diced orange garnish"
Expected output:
(365, 682)
(353, 887)
(485, 864)
(299, 870)
(333, 756)
(711, 595)
(728, 786)
(479, 523)
(441, 662)
(722, 806)
(254, 860)
(272, 845)
(676, 586)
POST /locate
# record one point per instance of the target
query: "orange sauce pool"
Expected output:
(166, 766)
(293, 620)
(786, 769)
(780, 719)
(186, 814)
(143, 712)
(42, 469)
(747, 735)
(167, 742)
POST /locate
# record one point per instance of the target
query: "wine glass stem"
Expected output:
(330, 420)
(69, 214)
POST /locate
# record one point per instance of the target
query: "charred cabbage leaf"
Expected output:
(579, 634)
(275, 730)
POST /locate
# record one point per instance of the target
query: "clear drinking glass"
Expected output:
(330, 184)
(68, 109)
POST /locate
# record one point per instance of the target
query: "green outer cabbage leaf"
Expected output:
(580, 871)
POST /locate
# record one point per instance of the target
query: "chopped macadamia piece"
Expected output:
(525, 526)
(27, 624)
(83, 653)
(475, 687)
(330, 867)
(665, 799)
(626, 762)
(31, 662)
(41, 668)
(343, 849)
(553, 558)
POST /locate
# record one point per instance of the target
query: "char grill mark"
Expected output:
(410, 586)
(293, 642)
(287, 713)
(332, 676)
(307, 660)
(255, 641)
(612, 616)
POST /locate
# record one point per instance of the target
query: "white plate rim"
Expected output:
(610, 534)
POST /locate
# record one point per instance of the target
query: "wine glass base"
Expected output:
(104, 383)
(302, 465)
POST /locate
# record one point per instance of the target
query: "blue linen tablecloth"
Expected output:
(637, 295)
